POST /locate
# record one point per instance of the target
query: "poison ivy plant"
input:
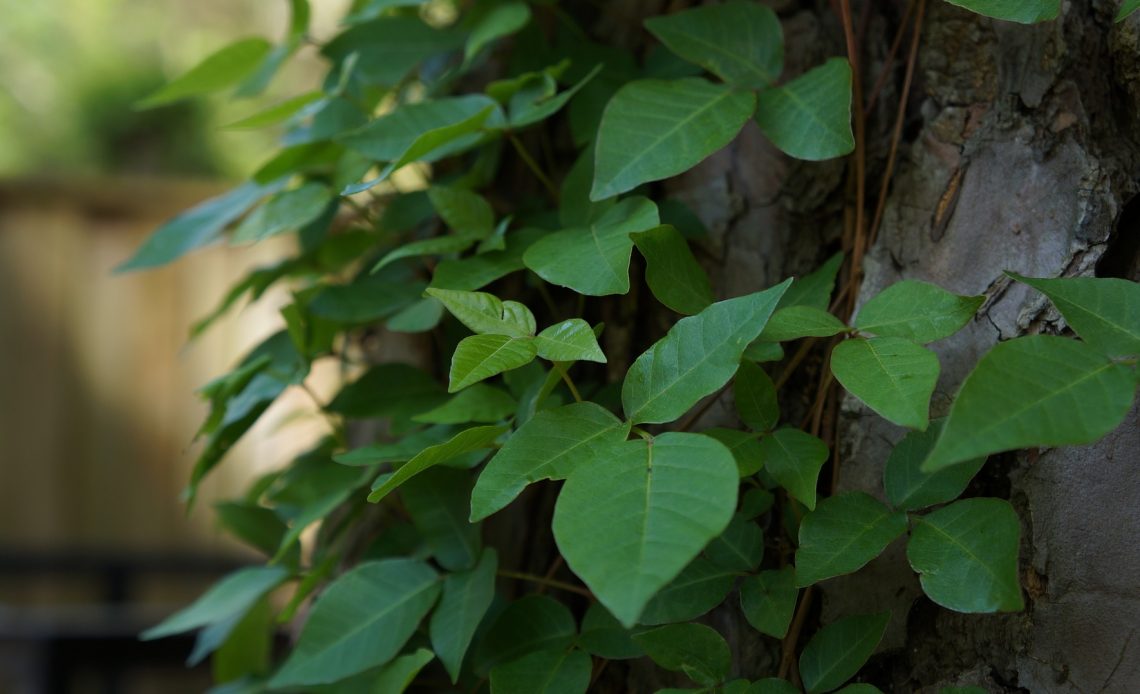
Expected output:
(555, 483)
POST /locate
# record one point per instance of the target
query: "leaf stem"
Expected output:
(564, 372)
(551, 190)
(548, 582)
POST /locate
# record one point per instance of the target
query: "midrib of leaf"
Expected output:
(669, 133)
(645, 520)
(490, 356)
(805, 107)
(602, 254)
(954, 541)
(866, 530)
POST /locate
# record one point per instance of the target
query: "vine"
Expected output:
(657, 520)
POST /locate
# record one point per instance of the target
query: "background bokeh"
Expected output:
(97, 404)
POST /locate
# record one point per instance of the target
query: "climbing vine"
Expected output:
(425, 186)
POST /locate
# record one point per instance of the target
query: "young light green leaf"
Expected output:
(1104, 311)
(755, 397)
(481, 356)
(697, 356)
(199, 226)
(739, 548)
(694, 649)
(691, 119)
(553, 671)
(484, 313)
(966, 556)
(699, 587)
(439, 245)
(222, 69)
(502, 20)
(438, 500)
(467, 596)
(1039, 390)
(463, 211)
(794, 322)
(530, 624)
(360, 621)
(838, 650)
(549, 446)
(1023, 11)
(893, 376)
(593, 260)
(810, 116)
(793, 458)
(228, 599)
(740, 42)
(570, 340)
(842, 534)
(466, 441)
(478, 403)
(672, 273)
(291, 209)
(628, 522)
(909, 488)
(917, 311)
(768, 600)
(604, 636)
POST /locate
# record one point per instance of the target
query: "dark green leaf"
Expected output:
(768, 600)
(909, 488)
(673, 274)
(479, 403)
(286, 211)
(464, 211)
(466, 441)
(698, 356)
(480, 270)
(755, 397)
(466, 598)
(842, 534)
(530, 624)
(388, 48)
(228, 599)
(745, 448)
(893, 376)
(691, 119)
(699, 587)
(438, 501)
(602, 635)
(554, 671)
(694, 649)
(390, 136)
(739, 548)
(917, 311)
(966, 556)
(388, 390)
(838, 650)
(501, 20)
(628, 522)
(399, 451)
(794, 458)
(810, 116)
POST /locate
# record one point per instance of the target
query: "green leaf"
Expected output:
(555, 671)
(438, 501)
(200, 225)
(480, 270)
(909, 488)
(838, 650)
(745, 448)
(794, 322)
(367, 299)
(768, 600)
(1105, 312)
(466, 441)
(388, 390)
(739, 548)
(673, 274)
(463, 211)
(773, 685)
(276, 113)
(398, 675)
(418, 317)
(1023, 11)
(810, 116)
(466, 598)
(697, 356)
(814, 289)
(256, 525)
(891, 375)
(390, 136)
(222, 69)
(694, 649)
(228, 599)
(360, 621)
(655, 129)
(629, 521)
(602, 635)
(530, 624)
(570, 340)
(860, 688)
(528, 107)
(740, 42)
(794, 458)
(286, 211)
(917, 311)
(593, 260)
(240, 647)
(761, 352)
(701, 586)
(755, 397)
(482, 356)
(550, 445)
(842, 534)
(478, 403)
(388, 48)
(438, 245)
(485, 314)
(502, 20)
(1034, 391)
(966, 556)
(1126, 9)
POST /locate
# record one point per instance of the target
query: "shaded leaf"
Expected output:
(229, 598)
(386, 49)
(744, 446)
(768, 600)
(466, 598)
(604, 636)
(437, 245)
(810, 116)
(838, 650)
(699, 587)
(739, 548)
(529, 624)
(466, 441)
(755, 396)
(793, 458)
(438, 501)
(399, 451)
(815, 288)
(463, 211)
(502, 20)
(286, 211)
(478, 403)
(909, 488)
(555, 671)
(893, 376)
(842, 534)
(388, 390)
(671, 271)
(694, 649)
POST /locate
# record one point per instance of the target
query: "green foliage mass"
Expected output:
(513, 258)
